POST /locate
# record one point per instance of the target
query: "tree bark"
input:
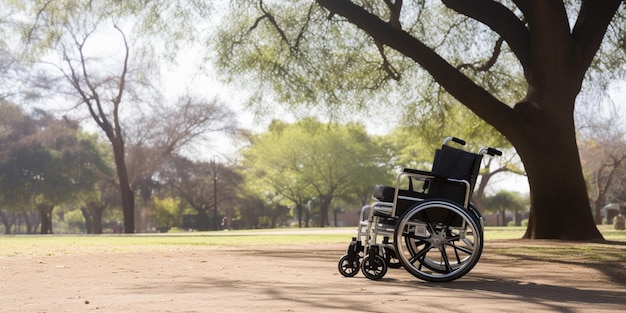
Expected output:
(559, 203)
(88, 222)
(45, 212)
(5, 222)
(30, 228)
(93, 216)
(299, 210)
(96, 209)
(127, 194)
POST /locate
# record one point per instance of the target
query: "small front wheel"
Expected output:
(347, 267)
(374, 267)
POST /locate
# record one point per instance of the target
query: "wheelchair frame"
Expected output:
(436, 234)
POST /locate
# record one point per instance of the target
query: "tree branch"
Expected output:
(591, 25)
(501, 20)
(458, 85)
(121, 86)
(497, 49)
(267, 15)
(395, 8)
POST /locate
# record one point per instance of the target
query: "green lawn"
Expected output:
(76, 244)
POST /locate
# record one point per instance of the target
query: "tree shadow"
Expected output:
(553, 297)
(608, 259)
(326, 290)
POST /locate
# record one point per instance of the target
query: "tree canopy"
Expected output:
(309, 159)
(50, 164)
(521, 72)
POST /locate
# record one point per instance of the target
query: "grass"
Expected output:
(581, 252)
(76, 244)
(516, 232)
(34, 245)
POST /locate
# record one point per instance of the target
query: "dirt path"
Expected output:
(301, 278)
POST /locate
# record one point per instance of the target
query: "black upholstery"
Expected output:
(384, 193)
(449, 162)
(458, 164)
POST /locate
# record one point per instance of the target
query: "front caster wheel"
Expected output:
(348, 268)
(374, 267)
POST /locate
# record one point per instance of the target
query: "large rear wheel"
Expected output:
(438, 241)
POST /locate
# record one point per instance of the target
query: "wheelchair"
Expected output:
(425, 224)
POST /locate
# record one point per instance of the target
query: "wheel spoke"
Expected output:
(421, 254)
(444, 256)
(465, 250)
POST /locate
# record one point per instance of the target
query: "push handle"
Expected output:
(490, 151)
(454, 139)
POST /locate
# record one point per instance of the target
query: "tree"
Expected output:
(533, 44)
(166, 131)
(53, 165)
(113, 86)
(192, 182)
(310, 159)
(603, 162)
(506, 200)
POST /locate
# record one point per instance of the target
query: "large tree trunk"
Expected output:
(325, 201)
(559, 204)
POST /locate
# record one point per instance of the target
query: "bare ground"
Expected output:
(300, 278)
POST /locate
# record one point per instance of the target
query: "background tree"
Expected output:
(53, 165)
(167, 214)
(604, 162)
(192, 182)
(310, 159)
(518, 43)
(14, 125)
(94, 204)
(170, 130)
(113, 86)
(505, 200)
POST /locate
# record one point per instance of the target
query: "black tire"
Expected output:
(438, 241)
(347, 268)
(374, 267)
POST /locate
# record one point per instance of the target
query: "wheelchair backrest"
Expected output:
(457, 164)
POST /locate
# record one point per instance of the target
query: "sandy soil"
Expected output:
(301, 278)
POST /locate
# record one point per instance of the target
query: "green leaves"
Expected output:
(309, 159)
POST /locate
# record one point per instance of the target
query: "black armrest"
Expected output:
(418, 172)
